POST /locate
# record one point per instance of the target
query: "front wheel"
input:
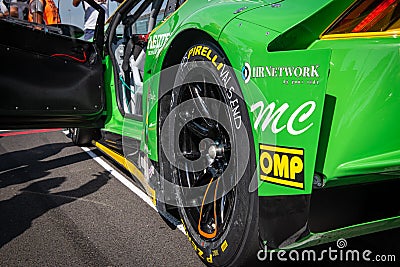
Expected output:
(213, 159)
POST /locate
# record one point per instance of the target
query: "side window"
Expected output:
(368, 16)
(172, 6)
(141, 26)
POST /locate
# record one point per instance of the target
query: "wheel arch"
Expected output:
(181, 42)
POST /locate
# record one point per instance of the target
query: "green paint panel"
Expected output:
(364, 129)
(316, 239)
(294, 12)
(285, 93)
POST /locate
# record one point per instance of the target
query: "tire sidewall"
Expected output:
(228, 248)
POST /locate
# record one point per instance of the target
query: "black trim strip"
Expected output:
(283, 219)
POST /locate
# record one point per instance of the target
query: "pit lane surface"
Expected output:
(59, 207)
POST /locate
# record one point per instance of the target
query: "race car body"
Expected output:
(248, 121)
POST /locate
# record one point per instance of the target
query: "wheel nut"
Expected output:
(215, 151)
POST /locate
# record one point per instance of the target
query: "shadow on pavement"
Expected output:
(30, 165)
(27, 165)
(18, 212)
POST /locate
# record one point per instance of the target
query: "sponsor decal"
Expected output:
(156, 43)
(270, 114)
(246, 72)
(198, 250)
(225, 75)
(207, 53)
(224, 246)
(282, 165)
(298, 74)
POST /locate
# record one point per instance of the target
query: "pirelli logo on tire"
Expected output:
(282, 165)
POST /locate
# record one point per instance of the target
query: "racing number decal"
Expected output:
(282, 165)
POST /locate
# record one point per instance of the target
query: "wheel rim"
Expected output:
(209, 220)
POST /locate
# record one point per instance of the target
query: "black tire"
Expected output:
(225, 231)
(83, 136)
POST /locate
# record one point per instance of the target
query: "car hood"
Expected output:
(270, 15)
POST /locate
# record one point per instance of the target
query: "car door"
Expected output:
(49, 77)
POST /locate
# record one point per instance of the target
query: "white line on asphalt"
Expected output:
(13, 169)
(126, 182)
(120, 177)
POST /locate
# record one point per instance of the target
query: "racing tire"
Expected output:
(223, 226)
(83, 136)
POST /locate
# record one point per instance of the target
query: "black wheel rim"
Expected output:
(209, 220)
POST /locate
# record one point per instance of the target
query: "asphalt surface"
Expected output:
(58, 207)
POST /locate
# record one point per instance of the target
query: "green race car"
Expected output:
(256, 124)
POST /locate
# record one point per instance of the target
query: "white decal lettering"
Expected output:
(302, 118)
(314, 71)
(271, 115)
